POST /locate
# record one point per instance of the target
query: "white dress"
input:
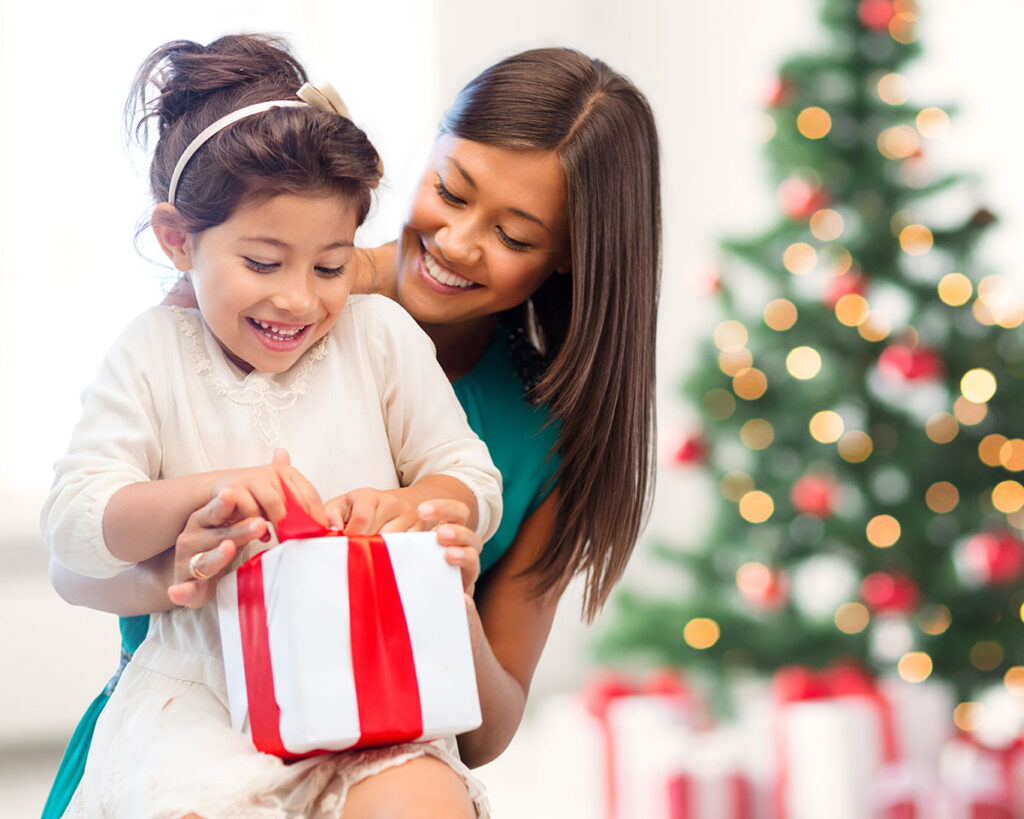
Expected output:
(368, 405)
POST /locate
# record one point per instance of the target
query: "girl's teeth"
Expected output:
(438, 273)
(272, 330)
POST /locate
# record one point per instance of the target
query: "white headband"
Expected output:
(322, 97)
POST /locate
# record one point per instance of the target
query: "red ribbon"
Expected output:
(384, 671)
(798, 684)
(682, 793)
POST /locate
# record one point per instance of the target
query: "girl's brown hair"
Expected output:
(596, 326)
(284, 150)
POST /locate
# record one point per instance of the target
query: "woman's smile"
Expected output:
(441, 278)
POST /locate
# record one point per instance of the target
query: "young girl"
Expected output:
(531, 257)
(261, 186)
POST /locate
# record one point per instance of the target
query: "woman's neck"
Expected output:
(460, 346)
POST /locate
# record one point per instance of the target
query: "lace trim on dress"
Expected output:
(256, 391)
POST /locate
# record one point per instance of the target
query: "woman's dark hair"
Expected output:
(596, 326)
(283, 150)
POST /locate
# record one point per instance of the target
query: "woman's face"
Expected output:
(485, 228)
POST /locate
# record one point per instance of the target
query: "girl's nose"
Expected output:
(296, 294)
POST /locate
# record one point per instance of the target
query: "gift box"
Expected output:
(333, 643)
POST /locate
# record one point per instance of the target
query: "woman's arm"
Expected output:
(139, 590)
(509, 627)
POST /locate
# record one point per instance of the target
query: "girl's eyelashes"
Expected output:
(330, 272)
(446, 194)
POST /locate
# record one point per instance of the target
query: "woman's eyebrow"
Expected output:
(472, 183)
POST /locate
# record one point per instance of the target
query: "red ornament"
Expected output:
(813, 495)
(800, 199)
(901, 363)
(994, 557)
(693, 450)
(779, 92)
(849, 284)
(876, 14)
(890, 592)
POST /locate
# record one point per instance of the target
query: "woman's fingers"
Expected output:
(462, 548)
(443, 510)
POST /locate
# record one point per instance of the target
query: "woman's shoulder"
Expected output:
(379, 317)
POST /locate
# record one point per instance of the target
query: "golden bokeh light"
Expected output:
(852, 310)
(756, 506)
(978, 385)
(732, 362)
(901, 28)
(803, 363)
(838, 259)
(780, 314)
(986, 655)
(701, 632)
(757, 434)
(983, 313)
(955, 289)
(827, 426)
(898, 142)
(893, 89)
(1011, 455)
(932, 122)
(941, 428)
(827, 225)
(965, 715)
(754, 579)
(883, 531)
(1008, 497)
(914, 667)
(916, 240)
(990, 447)
(750, 384)
(734, 485)
(814, 122)
(942, 497)
(855, 446)
(852, 618)
(968, 413)
(800, 258)
(934, 619)
(876, 327)
(730, 335)
(1013, 679)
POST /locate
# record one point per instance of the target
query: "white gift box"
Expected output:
(333, 643)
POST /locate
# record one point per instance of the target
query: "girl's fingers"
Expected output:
(361, 515)
(443, 510)
(407, 522)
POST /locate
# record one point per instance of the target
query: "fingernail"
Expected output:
(426, 509)
(446, 531)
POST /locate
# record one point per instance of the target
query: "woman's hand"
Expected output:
(462, 545)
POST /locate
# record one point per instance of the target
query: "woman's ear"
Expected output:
(175, 241)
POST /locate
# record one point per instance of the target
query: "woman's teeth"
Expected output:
(277, 332)
(442, 275)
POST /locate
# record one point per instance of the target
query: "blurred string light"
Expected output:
(916, 240)
(955, 289)
(734, 485)
(941, 428)
(855, 446)
(732, 362)
(934, 619)
(986, 655)
(852, 310)
(756, 506)
(901, 26)
(875, 327)
(780, 314)
(837, 258)
(800, 258)
(1013, 679)
(730, 335)
(898, 142)
(826, 225)
(914, 666)
(942, 497)
(803, 363)
(998, 304)
(989, 448)
(978, 385)
(1011, 455)
(827, 426)
(932, 123)
(883, 531)
(965, 715)
(852, 618)
(757, 434)
(893, 89)
(718, 404)
(701, 632)
(814, 122)
(750, 384)
(1008, 497)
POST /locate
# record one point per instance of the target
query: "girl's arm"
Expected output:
(509, 626)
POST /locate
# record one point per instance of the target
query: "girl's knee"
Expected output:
(422, 788)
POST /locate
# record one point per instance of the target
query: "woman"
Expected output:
(531, 256)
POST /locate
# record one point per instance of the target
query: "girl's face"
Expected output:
(271, 280)
(486, 227)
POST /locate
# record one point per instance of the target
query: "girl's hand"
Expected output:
(462, 545)
(369, 511)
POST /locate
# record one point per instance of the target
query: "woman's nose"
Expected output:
(458, 242)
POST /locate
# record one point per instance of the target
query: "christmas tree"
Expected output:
(858, 401)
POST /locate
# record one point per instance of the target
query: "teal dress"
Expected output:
(520, 441)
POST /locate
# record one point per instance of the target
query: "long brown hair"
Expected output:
(284, 150)
(596, 327)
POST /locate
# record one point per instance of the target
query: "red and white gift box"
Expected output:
(332, 643)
